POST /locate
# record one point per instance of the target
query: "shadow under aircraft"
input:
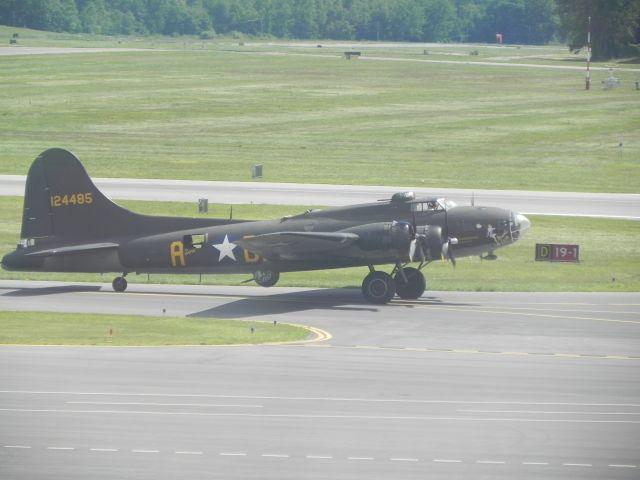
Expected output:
(68, 225)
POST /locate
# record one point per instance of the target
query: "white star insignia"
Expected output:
(226, 249)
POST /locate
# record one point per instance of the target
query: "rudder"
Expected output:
(61, 200)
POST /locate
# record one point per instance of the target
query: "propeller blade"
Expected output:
(452, 258)
(447, 251)
(417, 250)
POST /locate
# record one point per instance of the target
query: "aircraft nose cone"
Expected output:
(523, 223)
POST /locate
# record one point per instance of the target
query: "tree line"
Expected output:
(519, 21)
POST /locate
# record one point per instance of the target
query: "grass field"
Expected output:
(210, 110)
(44, 328)
(609, 249)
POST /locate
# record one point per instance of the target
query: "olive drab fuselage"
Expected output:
(70, 226)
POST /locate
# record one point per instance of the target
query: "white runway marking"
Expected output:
(424, 418)
(326, 457)
(328, 399)
(167, 404)
(543, 412)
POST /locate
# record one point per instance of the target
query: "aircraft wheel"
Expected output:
(266, 278)
(378, 287)
(415, 285)
(119, 284)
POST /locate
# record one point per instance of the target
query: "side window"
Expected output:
(196, 240)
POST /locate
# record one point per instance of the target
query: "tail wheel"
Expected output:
(378, 287)
(415, 285)
(119, 284)
(266, 278)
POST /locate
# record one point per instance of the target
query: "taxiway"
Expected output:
(454, 385)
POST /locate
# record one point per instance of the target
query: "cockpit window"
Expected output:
(437, 205)
(431, 206)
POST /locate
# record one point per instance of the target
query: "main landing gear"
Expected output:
(380, 287)
(410, 283)
(266, 278)
(119, 284)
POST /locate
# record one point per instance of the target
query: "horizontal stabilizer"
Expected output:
(88, 247)
(296, 245)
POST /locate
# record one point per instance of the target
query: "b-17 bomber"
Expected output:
(68, 225)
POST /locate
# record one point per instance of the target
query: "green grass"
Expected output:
(210, 110)
(609, 249)
(45, 328)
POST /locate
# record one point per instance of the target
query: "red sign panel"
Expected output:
(551, 252)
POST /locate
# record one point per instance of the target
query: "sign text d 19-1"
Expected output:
(551, 252)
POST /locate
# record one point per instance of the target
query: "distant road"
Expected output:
(610, 205)
(501, 62)
(504, 63)
(13, 51)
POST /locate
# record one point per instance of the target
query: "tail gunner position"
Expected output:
(68, 225)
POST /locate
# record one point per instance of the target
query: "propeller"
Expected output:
(432, 241)
(447, 251)
(416, 250)
(419, 248)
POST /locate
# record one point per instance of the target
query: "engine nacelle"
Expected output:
(384, 236)
(429, 244)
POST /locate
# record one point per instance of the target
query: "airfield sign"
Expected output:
(551, 252)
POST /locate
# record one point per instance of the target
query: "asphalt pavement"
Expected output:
(453, 385)
(611, 205)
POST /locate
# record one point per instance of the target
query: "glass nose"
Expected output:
(522, 223)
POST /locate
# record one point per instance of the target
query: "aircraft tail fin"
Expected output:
(61, 200)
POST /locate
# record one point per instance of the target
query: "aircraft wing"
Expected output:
(73, 249)
(295, 245)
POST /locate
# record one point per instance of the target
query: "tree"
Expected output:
(53, 15)
(304, 21)
(406, 21)
(520, 21)
(613, 25)
(440, 20)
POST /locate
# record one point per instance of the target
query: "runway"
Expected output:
(454, 385)
(20, 50)
(610, 205)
